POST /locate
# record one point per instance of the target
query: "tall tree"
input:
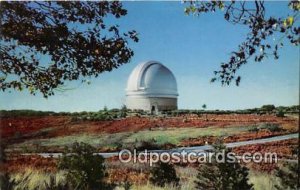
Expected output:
(45, 44)
(262, 27)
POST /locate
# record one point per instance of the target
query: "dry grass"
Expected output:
(32, 179)
(262, 181)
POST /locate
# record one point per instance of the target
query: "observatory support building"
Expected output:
(151, 87)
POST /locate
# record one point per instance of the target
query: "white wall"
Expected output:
(145, 103)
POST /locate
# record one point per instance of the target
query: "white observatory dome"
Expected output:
(152, 87)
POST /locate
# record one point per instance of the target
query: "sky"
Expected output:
(192, 47)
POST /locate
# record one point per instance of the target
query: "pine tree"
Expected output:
(85, 171)
(222, 175)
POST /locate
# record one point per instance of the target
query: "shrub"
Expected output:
(295, 150)
(253, 129)
(123, 112)
(275, 128)
(101, 116)
(268, 108)
(280, 113)
(222, 175)
(271, 127)
(29, 113)
(105, 109)
(149, 145)
(127, 184)
(74, 119)
(288, 176)
(84, 169)
(163, 174)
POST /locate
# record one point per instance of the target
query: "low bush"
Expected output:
(268, 108)
(280, 113)
(163, 174)
(27, 113)
(253, 129)
(147, 145)
(288, 175)
(225, 175)
(272, 127)
(84, 169)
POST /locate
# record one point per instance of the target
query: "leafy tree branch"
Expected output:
(45, 44)
(257, 44)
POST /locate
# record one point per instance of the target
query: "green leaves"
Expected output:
(43, 44)
(222, 176)
(288, 176)
(163, 174)
(85, 170)
(221, 5)
(294, 5)
(289, 21)
(257, 43)
(190, 9)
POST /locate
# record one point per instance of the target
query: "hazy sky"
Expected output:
(192, 48)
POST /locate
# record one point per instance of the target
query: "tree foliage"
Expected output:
(268, 108)
(45, 44)
(85, 170)
(123, 112)
(222, 175)
(262, 27)
(163, 174)
(288, 177)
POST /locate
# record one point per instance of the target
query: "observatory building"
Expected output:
(151, 87)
